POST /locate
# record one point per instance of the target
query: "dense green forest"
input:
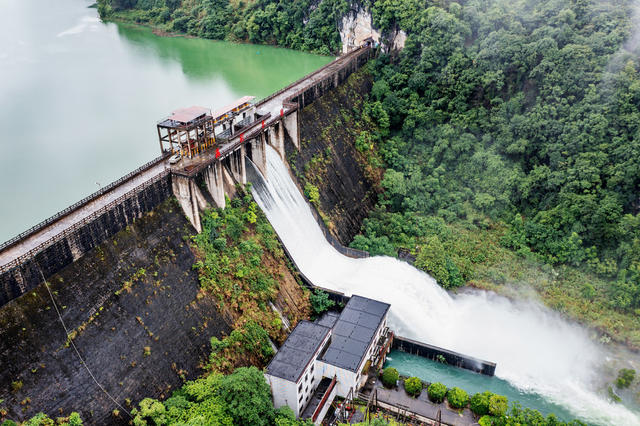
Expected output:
(521, 113)
(516, 116)
(301, 24)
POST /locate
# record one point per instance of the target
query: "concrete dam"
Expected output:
(57, 242)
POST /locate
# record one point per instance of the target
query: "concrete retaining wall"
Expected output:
(72, 244)
(453, 358)
(331, 81)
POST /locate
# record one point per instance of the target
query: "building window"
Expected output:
(306, 377)
(306, 389)
(312, 367)
(300, 388)
(312, 379)
(300, 400)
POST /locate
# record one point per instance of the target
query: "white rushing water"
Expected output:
(533, 347)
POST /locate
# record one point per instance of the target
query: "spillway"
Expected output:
(535, 349)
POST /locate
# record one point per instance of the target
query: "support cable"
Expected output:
(76, 349)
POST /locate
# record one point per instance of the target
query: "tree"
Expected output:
(247, 397)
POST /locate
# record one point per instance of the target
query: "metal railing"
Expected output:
(80, 203)
(31, 253)
(325, 396)
(354, 52)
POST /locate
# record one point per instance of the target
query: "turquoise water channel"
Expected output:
(432, 371)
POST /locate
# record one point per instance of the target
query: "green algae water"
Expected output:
(79, 98)
(431, 371)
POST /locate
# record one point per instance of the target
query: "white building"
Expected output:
(322, 360)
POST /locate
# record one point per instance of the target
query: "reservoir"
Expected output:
(79, 99)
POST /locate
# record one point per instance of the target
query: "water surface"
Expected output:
(431, 371)
(79, 99)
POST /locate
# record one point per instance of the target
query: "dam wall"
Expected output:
(329, 160)
(134, 309)
(50, 257)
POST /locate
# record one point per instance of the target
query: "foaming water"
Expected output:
(534, 348)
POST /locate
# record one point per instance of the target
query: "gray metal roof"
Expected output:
(353, 332)
(328, 319)
(297, 351)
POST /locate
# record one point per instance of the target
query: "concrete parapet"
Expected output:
(452, 358)
(68, 246)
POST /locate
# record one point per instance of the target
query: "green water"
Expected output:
(79, 99)
(431, 371)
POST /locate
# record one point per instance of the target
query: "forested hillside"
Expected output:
(513, 112)
(301, 24)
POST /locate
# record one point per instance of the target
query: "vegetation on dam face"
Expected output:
(242, 265)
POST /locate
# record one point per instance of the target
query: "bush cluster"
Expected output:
(413, 386)
(437, 391)
(390, 377)
(458, 398)
(625, 377)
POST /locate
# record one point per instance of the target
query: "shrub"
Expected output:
(312, 193)
(479, 403)
(413, 386)
(390, 377)
(16, 385)
(320, 301)
(625, 377)
(485, 421)
(498, 405)
(437, 392)
(458, 398)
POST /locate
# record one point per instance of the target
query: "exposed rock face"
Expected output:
(357, 26)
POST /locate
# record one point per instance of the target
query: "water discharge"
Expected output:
(535, 349)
